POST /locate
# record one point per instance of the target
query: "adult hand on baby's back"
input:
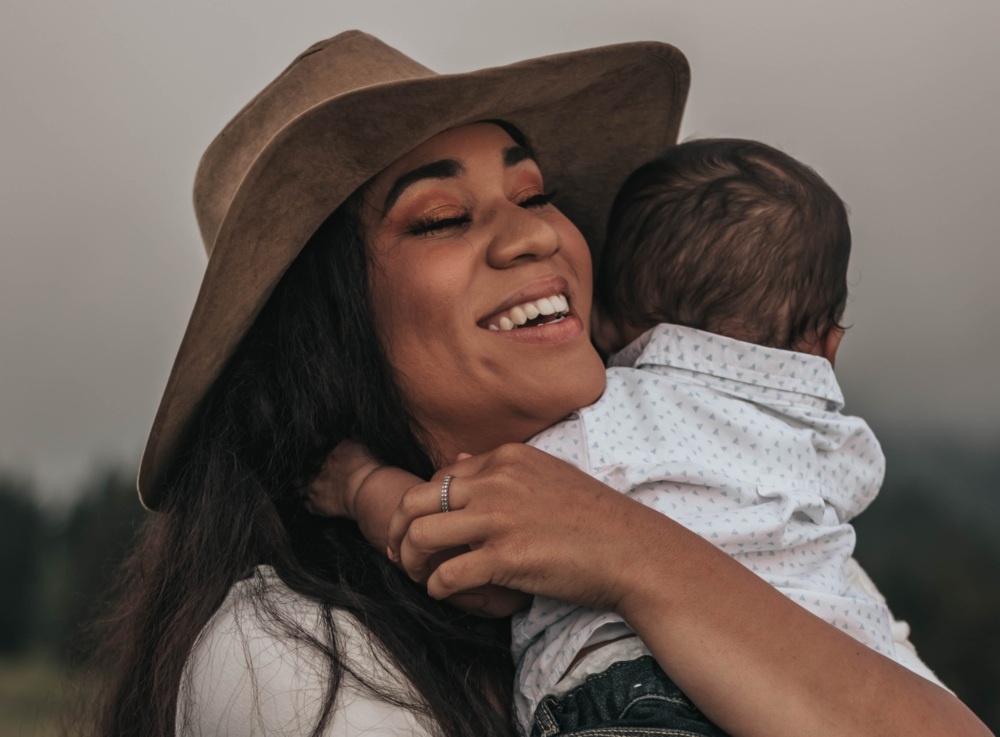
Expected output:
(345, 488)
(531, 522)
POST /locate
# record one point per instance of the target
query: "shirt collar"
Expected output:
(743, 363)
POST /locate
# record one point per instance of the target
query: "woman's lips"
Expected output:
(530, 314)
(565, 328)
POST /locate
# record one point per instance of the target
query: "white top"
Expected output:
(246, 677)
(243, 679)
(745, 446)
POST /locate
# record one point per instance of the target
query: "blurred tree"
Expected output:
(20, 546)
(90, 544)
(929, 541)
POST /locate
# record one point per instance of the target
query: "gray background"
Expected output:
(106, 106)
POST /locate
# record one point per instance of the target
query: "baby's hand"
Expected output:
(334, 491)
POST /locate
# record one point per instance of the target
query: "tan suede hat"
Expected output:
(346, 109)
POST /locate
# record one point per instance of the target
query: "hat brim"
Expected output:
(590, 116)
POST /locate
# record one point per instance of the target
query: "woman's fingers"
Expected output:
(418, 501)
(474, 573)
(427, 537)
(465, 465)
(535, 523)
(538, 525)
(427, 498)
(462, 572)
(490, 601)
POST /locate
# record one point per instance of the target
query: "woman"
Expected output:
(379, 332)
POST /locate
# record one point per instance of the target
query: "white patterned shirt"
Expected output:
(742, 444)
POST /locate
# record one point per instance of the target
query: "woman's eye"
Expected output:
(431, 226)
(538, 200)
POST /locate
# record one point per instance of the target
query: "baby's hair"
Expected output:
(729, 236)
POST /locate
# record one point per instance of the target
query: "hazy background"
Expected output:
(105, 108)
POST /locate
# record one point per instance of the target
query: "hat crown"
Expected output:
(349, 61)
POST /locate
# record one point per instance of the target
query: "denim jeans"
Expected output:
(632, 697)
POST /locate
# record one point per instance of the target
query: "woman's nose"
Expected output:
(521, 235)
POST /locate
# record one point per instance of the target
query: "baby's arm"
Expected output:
(352, 484)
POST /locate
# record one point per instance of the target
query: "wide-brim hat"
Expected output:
(342, 112)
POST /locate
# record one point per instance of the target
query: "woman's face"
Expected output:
(480, 290)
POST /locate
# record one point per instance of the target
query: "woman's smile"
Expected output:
(480, 289)
(544, 311)
(540, 304)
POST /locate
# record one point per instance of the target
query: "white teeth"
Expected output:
(557, 304)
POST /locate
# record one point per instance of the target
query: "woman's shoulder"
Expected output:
(250, 673)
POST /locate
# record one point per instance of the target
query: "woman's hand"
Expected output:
(754, 661)
(492, 602)
(353, 484)
(531, 523)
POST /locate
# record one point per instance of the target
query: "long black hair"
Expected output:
(310, 373)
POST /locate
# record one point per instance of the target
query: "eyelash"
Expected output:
(538, 200)
(429, 226)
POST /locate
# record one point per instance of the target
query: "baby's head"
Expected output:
(728, 236)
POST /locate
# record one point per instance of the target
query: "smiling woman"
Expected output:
(365, 231)
(468, 242)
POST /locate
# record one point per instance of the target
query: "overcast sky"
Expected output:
(106, 106)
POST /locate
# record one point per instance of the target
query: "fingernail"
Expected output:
(390, 553)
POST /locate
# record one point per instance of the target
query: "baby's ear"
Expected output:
(830, 343)
(610, 336)
(604, 334)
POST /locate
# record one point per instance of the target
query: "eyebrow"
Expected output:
(445, 169)
(516, 154)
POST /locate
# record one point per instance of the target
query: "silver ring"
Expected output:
(445, 485)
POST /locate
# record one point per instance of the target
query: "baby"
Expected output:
(721, 285)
